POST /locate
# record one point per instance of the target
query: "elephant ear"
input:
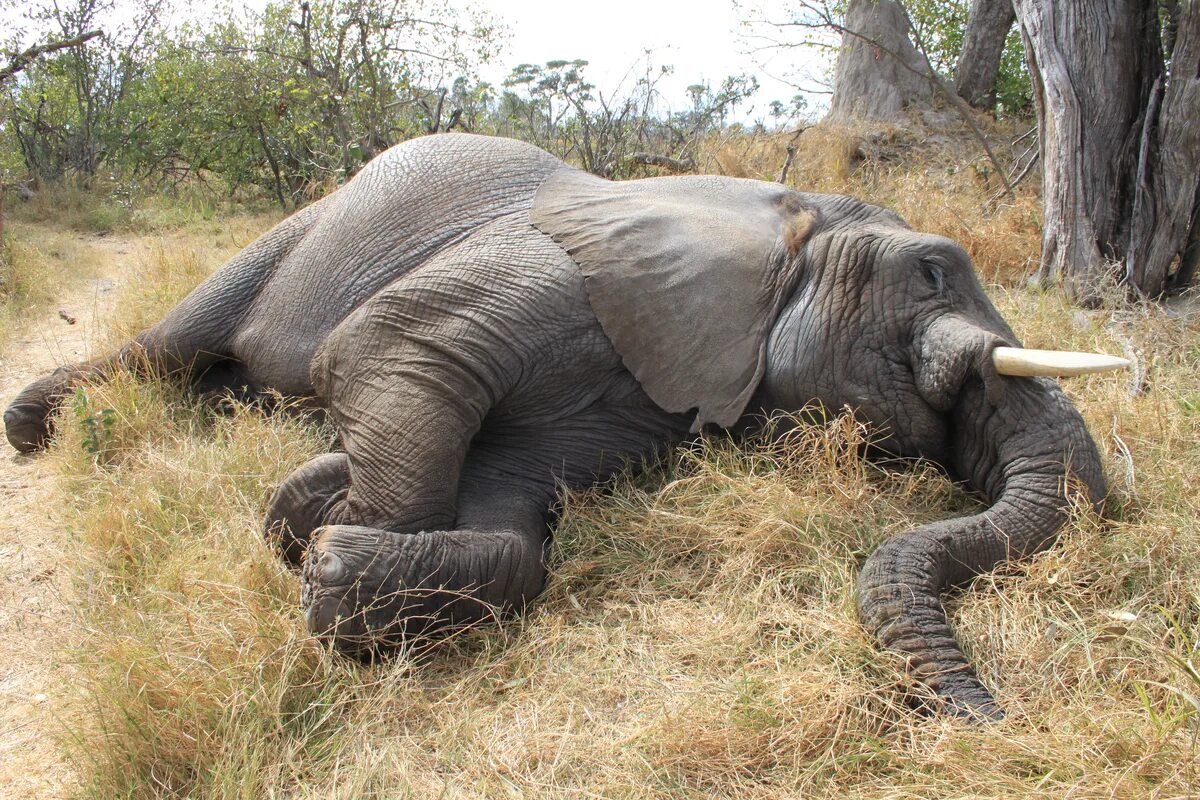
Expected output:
(686, 275)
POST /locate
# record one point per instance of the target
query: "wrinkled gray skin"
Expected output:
(484, 326)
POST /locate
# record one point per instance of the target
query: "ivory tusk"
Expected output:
(1053, 363)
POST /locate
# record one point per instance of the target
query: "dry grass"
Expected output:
(45, 253)
(36, 263)
(698, 636)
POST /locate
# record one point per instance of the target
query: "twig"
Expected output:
(791, 156)
(1024, 136)
(1015, 182)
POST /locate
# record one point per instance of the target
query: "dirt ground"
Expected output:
(34, 595)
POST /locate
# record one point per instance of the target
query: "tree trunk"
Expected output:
(1189, 257)
(1169, 170)
(988, 24)
(878, 72)
(1093, 66)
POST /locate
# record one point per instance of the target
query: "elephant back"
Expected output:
(407, 205)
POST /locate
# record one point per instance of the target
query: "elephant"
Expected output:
(485, 326)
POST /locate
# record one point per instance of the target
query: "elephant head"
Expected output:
(732, 297)
(895, 325)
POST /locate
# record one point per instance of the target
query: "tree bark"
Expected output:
(988, 23)
(1189, 257)
(1169, 170)
(1094, 66)
(871, 80)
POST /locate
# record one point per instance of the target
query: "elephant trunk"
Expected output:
(1022, 452)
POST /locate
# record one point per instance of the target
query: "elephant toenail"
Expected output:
(330, 568)
(323, 617)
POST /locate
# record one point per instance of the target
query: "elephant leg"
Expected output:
(368, 590)
(27, 419)
(192, 341)
(303, 501)
(407, 414)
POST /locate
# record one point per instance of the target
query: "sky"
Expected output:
(703, 40)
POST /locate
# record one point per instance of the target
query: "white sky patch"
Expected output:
(702, 41)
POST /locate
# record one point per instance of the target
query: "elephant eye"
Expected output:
(935, 276)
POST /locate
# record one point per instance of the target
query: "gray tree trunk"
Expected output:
(1093, 66)
(1189, 257)
(878, 71)
(988, 23)
(1169, 167)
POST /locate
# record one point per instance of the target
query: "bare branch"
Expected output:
(25, 58)
(791, 156)
(1014, 181)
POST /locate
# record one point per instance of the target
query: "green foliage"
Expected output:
(292, 100)
(70, 112)
(95, 427)
(1014, 91)
(557, 108)
(288, 100)
(940, 26)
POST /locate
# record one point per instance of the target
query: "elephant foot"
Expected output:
(304, 502)
(27, 426)
(368, 591)
(356, 594)
(28, 422)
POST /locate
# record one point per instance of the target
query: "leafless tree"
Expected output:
(18, 62)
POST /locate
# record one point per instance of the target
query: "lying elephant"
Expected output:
(485, 325)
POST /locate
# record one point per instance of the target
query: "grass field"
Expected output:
(698, 637)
